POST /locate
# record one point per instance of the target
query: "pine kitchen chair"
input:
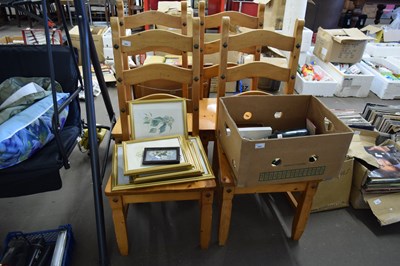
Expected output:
(226, 181)
(146, 18)
(202, 191)
(208, 105)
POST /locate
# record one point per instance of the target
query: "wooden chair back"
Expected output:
(213, 21)
(156, 18)
(248, 41)
(159, 40)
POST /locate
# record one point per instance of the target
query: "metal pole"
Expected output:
(84, 33)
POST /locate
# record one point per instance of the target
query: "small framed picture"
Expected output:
(160, 155)
(158, 117)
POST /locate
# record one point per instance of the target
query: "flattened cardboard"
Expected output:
(251, 160)
(386, 208)
(340, 45)
(334, 193)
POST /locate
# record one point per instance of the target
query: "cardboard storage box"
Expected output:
(382, 49)
(258, 162)
(384, 88)
(97, 34)
(340, 45)
(334, 193)
(174, 8)
(384, 206)
(349, 85)
(11, 40)
(381, 33)
(317, 88)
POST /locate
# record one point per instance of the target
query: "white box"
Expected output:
(108, 53)
(316, 88)
(394, 60)
(107, 37)
(391, 35)
(382, 49)
(306, 39)
(381, 86)
(349, 85)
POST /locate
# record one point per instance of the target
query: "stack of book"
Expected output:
(353, 119)
(385, 118)
(386, 178)
(159, 161)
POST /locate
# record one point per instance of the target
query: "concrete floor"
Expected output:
(168, 233)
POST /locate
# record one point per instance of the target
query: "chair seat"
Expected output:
(203, 191)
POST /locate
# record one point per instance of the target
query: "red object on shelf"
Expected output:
(247, 7)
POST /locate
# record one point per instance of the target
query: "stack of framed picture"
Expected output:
(160, 151)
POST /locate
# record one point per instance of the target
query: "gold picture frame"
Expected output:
(119, 181)
(200, 154)
(158, 117)
(133, 155)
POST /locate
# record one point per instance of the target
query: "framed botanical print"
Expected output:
(158, 117)
(120, 181)
(134, 150)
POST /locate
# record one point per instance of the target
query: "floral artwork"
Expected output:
(155, 118)
(158, 124)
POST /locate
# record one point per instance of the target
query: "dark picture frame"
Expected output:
(161, 155)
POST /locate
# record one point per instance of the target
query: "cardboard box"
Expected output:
(382, 49)
(97, 34)
(361, 200)
(334, 193)
(12, 40)
(258, 162)
(317, 88)
(340, 45)
(349, 85)
(174, 8)
(384, 88)
(382, 33)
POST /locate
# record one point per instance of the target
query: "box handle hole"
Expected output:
(276, 162)
(278, 115)
(233, 163)
(328, 125)
(227, 130)
(313, 158)
(247, 115)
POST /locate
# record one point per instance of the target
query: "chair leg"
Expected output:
(119, 218)
(206, 218)
(225, 214)
(303, 209)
